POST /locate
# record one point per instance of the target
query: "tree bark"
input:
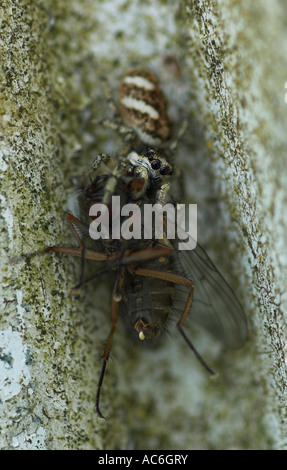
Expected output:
(222, 67)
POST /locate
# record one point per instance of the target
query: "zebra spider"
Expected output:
(140, 115)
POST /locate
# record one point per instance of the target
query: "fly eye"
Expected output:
(164, 170)
(155, 165)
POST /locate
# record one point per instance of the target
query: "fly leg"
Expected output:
(181, 280)
(82, 252)
(74, 222)
(117, 261)
(115, 309)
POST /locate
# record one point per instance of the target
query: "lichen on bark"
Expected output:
(220, 71)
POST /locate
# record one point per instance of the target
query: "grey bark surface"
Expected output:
(223, 67)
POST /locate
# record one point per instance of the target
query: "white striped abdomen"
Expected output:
(143, 106)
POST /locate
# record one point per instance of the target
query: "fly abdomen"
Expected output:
(148, 303)
(143, 106)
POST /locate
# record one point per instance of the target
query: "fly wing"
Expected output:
(215, 307)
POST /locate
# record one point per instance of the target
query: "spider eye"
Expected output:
(155, 165)
(164, 170)
(149, 154)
